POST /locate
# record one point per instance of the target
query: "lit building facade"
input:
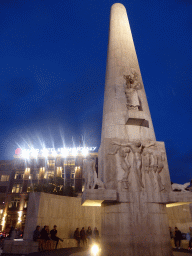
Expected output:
(19, 176)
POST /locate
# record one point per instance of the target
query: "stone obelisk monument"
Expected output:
(131, 161)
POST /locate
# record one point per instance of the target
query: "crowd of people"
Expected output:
(177, 236)
(86, 236)
(46, 240)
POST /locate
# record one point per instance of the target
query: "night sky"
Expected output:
(52, 73)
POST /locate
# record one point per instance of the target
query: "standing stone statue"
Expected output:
(132, 86)
(88, 172)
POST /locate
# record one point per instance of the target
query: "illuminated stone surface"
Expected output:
(131, 161)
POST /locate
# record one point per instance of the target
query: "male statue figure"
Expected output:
(89, 169)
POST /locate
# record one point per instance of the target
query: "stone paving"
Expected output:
(82, 252)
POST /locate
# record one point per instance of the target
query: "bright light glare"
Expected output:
(95, 249)
(74, 152)
(25, 153)
(64, 152)
(85, 151)
(45, 152)
(54, 153)
(34, 152)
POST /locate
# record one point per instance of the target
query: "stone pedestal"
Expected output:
(135, 229)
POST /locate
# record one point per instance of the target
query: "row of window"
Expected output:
(4, 177)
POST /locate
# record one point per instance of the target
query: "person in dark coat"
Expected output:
(83, 236)
(89, 234)
(37, 237)
(44, 233)
(177, 238)
(96, 234)
(54, 236)
(77, 236)
(36, 234)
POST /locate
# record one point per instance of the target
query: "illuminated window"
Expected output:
(19, 176)
(14, 204)
(25, 204)
(50, 175)
(51, 163)
(27, 170)
(41, 173)
(1, 211)
(4, 177)
(59, 171)
(17, 188)
(29, 189)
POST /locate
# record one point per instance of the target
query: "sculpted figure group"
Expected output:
(146, 157)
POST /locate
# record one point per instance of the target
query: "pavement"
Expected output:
(82, 252)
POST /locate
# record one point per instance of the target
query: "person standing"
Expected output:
(177, 238)
(77, 236)
(190, 241)
(83, 236)
(37, 236)
(54, 236)
(96, 234)
(89, 234)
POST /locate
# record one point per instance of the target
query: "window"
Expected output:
(14, 204)
(25, 204)
(50, 175)
(51, 163)
(4, 177)
(72, 176)
(59, 171)
(17, 188)
(19, 176)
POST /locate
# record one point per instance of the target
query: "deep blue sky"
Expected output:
(52, 73)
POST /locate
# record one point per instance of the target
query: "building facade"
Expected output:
(19, 177)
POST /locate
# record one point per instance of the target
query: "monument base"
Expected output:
(135, 229)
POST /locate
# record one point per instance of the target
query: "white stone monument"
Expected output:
(132, 164)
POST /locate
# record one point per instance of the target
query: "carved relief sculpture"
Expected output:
(132, 86)
(153, 162)
(137, 150)
(123, 154)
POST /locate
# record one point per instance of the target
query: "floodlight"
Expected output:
(45, 152)
(34, 152)
(25, 153)
(85, 152)
(54, 153)
(64, 152)
(94, 250)
(74, 151)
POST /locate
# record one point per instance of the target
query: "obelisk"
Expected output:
(131, 161)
